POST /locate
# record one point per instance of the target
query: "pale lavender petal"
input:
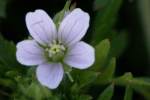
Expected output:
(29, 53)
(73, 27)
(41, 26)
(80, 55)
(50, 75)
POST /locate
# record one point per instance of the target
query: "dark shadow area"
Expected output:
(135, 57)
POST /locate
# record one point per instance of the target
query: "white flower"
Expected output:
(51, 47)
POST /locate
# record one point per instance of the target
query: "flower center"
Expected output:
(55, 51)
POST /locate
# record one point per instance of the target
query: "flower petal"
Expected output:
(41, 26)
(29, 53)
(73, 27)
(80, 55)
(50, 75)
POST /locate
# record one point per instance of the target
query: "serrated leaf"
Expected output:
(128, 93)
(28, 87)
(101, 51)
(7, 55)
(10, 68)
(107, 75)
(104, 21)
(107, 93)
(37, 92)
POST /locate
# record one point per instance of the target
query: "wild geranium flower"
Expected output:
(51, 46)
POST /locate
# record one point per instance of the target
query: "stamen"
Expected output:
(55, 51)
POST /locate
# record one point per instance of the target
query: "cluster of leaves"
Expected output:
(19, 83)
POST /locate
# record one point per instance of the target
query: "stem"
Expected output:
(69, 76)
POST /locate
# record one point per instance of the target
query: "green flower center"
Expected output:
(55, 52)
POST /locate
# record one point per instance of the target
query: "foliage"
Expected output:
(20, 83)
(3, 6)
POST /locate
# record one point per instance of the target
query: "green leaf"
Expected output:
(7, 82)
(37, 92)
(75, 88)
(10, 68)
(8, 56)
(135, 83)
(118, 44)
(100, 4)
(145, 88)
(124, 80)
(3, 5)
(140, 85)
(104, 21)
(81, 97)
(101, 52)
(84, 97)
(60, 15)
(107, 75)
(128, 93)
(85, 78)
(27, 87)
(107, 93)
